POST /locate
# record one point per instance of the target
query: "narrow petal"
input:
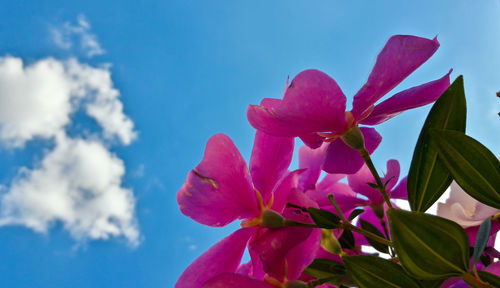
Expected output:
(328, 180)
(408, 99)
(400, 191)
(225, 256)
(236, 280)
(219, 190)
(285, 186)
(392, 174)
(341, 158)
(401, 55)
(312, 103)
(311, 160)
(358, 183)
(270, 159)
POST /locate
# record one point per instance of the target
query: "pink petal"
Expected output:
(401, 55)
(312, 140)
(338, 188)
(273, 246)
(346, 202)
(328, 180)
(283, 189)
(341, 158)
(225, 256)
(400, 191)
(392, 175)
(299, 257)
(312, 103)
(270, 159)
(408, 99)
(312, 160)
(227, 280)
(219, 189)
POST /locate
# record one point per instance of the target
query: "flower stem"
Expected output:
(344, 225)
(368, 234)
(380, 186)
(337, 208)
(475, 282)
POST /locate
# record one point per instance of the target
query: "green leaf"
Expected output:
(355, 214)
(375, 272)
(482, 239)
(428, 178)
(473, 166)
(429, 247)
(492, 279)
(332, 270)
(323, 218)
(377, 245)
(347, 240)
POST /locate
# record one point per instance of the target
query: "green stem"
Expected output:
(366, 233)
(476, 282)
(337, 208)
(344, 225)
(380, 186)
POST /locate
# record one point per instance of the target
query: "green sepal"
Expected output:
(428, 178)
(472, 165)
(374, 272)
(492, 279)
(355, 214)
(332, 271)
(370, 228)
(324, 219)
(429, 247)
(483, 234)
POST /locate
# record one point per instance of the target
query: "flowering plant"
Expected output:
(301, 231)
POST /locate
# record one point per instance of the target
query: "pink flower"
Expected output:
(222, 189)
(314, 107)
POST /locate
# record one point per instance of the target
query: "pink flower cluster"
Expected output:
(221, 188)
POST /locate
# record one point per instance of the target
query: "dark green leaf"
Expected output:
(323, 218)
(377, 245)
(331, 271)
(482, 239)
(346, 240)
(355, 214)
(373, 185)
(374, 272)
(428, 178)
(473, 166)
(492, 279)
(428, 246)
(431, 283)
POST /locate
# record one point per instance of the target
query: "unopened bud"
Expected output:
(330, 243)
(296, 284)
(378, 210)
(272, 219)
(354, 138)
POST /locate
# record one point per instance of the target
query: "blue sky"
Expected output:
(132, 91)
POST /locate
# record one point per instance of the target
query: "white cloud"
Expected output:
(79, 182)
(38, 100)
(65, 35)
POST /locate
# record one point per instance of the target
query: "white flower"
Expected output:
(463, 209)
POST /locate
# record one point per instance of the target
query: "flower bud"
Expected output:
(354, 138)
(378, 210)
(272, 219)
(330, 243)
(296, 284)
